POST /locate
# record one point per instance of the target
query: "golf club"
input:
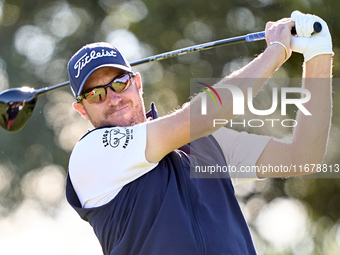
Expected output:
(16, 105)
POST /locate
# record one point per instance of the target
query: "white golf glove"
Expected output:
(306, 43)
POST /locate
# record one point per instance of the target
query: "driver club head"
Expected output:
(16, 107)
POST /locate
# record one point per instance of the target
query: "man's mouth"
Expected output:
(115, 110)
(122, 108)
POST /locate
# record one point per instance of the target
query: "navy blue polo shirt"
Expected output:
(166, 212)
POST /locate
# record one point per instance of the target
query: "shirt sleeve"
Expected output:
(241, 151)
(105, 160)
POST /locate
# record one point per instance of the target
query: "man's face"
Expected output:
(118, 109)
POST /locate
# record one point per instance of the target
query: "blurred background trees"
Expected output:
(37, 38)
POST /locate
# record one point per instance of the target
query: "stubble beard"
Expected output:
(138, 116)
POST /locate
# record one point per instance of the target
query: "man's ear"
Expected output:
(138, 81)
(80, 108)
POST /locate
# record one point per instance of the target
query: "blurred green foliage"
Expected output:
(37, 38)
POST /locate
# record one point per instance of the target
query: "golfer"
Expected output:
(130, 176)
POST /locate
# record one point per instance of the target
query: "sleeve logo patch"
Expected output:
(114, 137)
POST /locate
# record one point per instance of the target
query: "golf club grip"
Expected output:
(261, 35)
(316, 26)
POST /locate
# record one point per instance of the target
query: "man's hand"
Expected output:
(278, 35)
(311, 46)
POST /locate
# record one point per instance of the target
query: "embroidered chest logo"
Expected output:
(115, 137)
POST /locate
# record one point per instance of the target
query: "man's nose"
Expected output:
(112, 96)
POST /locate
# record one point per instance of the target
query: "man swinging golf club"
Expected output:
(130, 176)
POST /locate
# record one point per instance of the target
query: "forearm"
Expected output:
(311, 134)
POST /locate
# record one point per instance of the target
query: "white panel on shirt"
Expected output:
(241, 150)
(107, 159)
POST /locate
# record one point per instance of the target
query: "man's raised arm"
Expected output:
(173, 131)
(309, 142)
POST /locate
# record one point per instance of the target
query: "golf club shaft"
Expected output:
(47, 89)
(205, 46)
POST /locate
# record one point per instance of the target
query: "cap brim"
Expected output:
(121, 67)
